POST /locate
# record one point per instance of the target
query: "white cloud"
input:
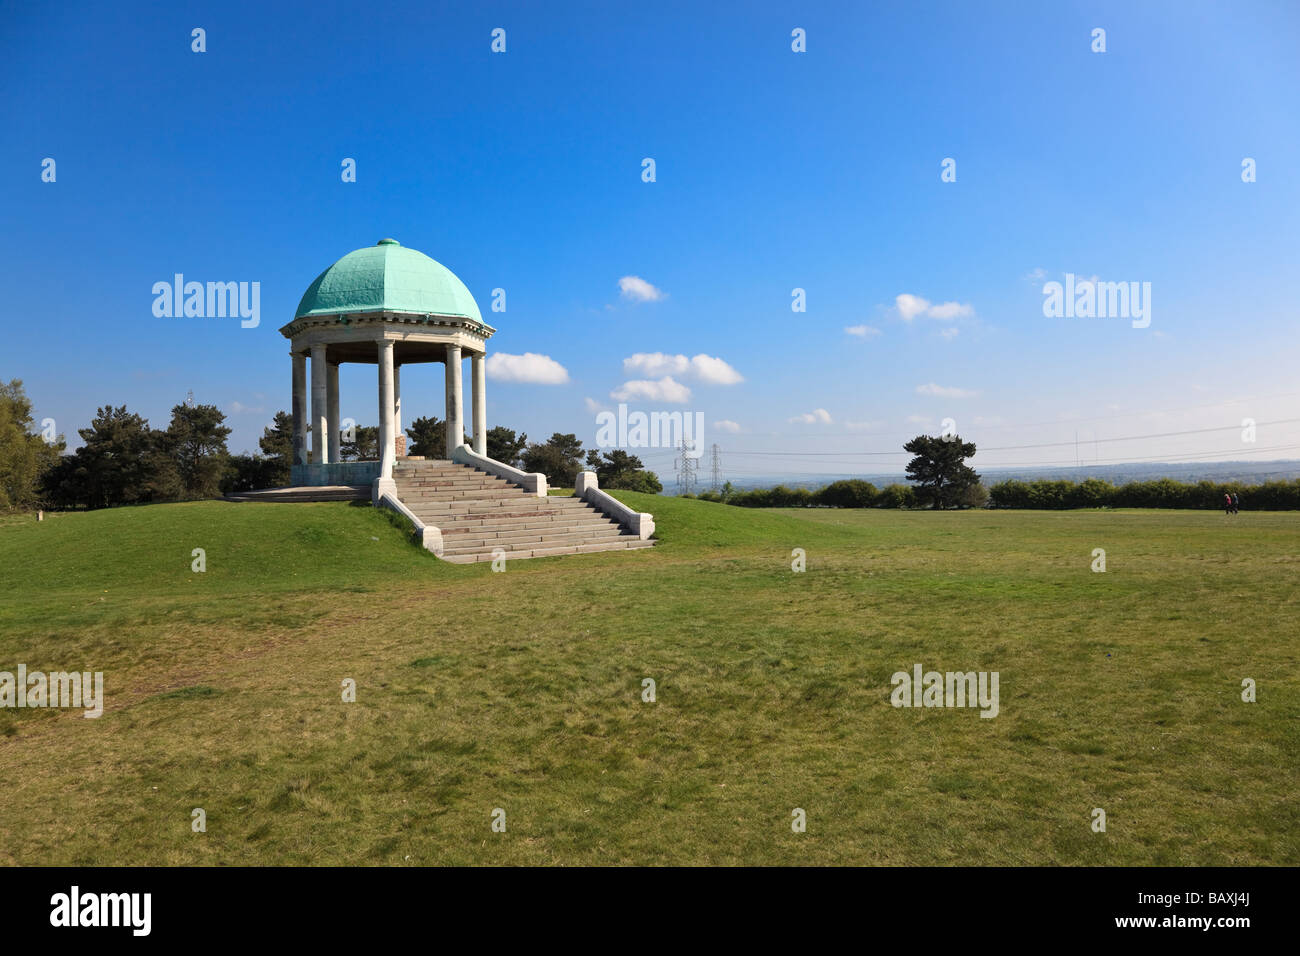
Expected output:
(910, 306)
(529, 368)
(861, 331)
(727, 425)
(638, 290)
(239, 408)
(818, 416)
(950, 310)
(702, 368)
(949, 333)
(944, 391)
(593, 406)
(656, 363)
(714, 371)
(666, 389)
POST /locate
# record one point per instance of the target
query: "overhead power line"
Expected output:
(1056, 444)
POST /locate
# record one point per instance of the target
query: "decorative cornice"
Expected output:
(333, 320)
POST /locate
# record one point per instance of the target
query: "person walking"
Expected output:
(1227, 503)
(1236, 503)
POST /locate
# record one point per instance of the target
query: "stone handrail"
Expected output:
(640, 523)
(429, 536)
(534, 483)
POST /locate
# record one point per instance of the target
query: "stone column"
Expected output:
(455, 403)
(332, 404)
(386, 451)
(320, 422)
(399, 440)
(299, 408)
(478, 369)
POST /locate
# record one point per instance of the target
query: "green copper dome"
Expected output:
(387, 277)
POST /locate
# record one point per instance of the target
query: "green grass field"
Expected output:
(522, 690)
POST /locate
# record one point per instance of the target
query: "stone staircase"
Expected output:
(312, 493)
(478, 513)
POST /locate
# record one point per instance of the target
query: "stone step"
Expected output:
(456, 476)
(424, 468)
(442, 475)
(456, 494)
(447, 492)
(590, 519)
(500, 506)
(618, 544)
(529, 542)
(528, 496)
(456, 470)
(524, 524)
(322, 493)
(485, 482)
(445, 519)
(478, 508)
(439, 494)
(527, 524)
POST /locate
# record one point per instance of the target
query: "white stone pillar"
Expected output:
(479, 371)
(387, 454)
(332, 404)
(320, 420)
(455, 402)
(299, 407)
(397, 404)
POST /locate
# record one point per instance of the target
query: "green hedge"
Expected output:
(1040, 495)
(1161, 493)
(851, 493)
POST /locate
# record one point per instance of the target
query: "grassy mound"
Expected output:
(523, 690)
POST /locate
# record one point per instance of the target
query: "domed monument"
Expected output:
(390, 306)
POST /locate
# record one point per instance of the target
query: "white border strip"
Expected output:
(640, 523)
(534, 483)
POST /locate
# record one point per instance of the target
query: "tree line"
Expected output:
(1026, 495)
(941, 479)
(124, 460)
(1160, 493)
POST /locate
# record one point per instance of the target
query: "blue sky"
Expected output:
(775, 170)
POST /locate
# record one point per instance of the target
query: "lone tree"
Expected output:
(195, 440)
(939, 468)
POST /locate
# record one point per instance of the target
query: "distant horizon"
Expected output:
(1117, 473)
(662, 462)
